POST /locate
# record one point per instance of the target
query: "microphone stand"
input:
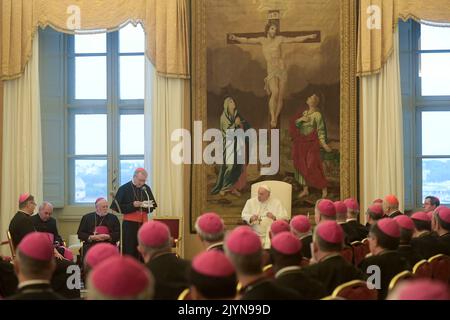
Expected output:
(113, 195)
(148, 199)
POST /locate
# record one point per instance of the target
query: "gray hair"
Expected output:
(45, 204)
(209, 237)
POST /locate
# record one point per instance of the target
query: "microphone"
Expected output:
(150, 205)
(113, 195)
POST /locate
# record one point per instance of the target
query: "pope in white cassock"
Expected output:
(261, 211)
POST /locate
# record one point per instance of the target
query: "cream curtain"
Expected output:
(22, 147)
(382, 132)
(378, 20)
(165, 23)
(164, 111)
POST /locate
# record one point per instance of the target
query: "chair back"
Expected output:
(365, 242)
(440, 266)
(347, 253)
(185, 295)
(280, 190)
(359, 252)
(355, 290)
(422, 269)
(11, 245)
(175, 226)
(404, 275)
(269, 272)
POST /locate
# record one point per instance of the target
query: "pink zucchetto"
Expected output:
(286, 243)
(100, 252)
(404, 222)
(340, 206)
(213, 263)
(279, 226)
(389, 227)
(300, 223)
(243, 241)
(120, 277)
(210, 223)
(330, 231)
(326, 208)
(154, 234)
(37, 246)
(351, 204)
(421, 216)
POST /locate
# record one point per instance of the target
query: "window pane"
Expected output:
(90, 134)
(434, 38)
(90, 43)
(435, 75)
(132, 77)
(127, 168)
(436, 179)
(90, 180)
(131, 134)
(435, 133)
(90, 78)
(131, 39)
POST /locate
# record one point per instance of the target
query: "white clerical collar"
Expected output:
(28, 214)
(214, 245)
(286, 269)
(32, 282)
(306, 235)
(352, 219)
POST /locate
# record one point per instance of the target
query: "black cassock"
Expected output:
(265, 289)
(390, 263)
(20, 226)
(306, 246)
(48, 226)
(333, 271)
(307, 288)
(88, 224)
(125, 196)
(36, 292)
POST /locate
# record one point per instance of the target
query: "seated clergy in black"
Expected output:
(244, 249)
(8, 279)
(21, 223)
(34, 266)
(390, 206)
(286, 257)
(424, 241)
(328, 266)
(170, 272)
(373, 214)
(441, 225)
(358, 232)
(44, 222)
(384, 238)
(99, 226)
(406, 231)
(212, 277)
(211, 231)
(301, 228)
(341, 218)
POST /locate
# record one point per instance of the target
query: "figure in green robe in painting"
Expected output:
(232, 176)
(309, 134)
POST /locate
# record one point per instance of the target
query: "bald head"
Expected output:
(139, 177)
(45, 211)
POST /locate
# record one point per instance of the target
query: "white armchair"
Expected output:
(280, 190)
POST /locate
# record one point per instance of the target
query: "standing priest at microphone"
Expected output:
(134, 200)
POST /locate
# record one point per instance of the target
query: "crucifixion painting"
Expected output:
(271, 42)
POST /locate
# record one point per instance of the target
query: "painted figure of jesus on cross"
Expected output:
(271, 41)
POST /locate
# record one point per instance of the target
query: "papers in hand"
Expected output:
(148, 204)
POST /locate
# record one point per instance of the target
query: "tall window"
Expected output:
(105, 110)
(430, 107)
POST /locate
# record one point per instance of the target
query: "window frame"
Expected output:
(417, 106)
(113, 107)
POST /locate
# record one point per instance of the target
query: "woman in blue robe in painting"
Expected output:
(232, 176)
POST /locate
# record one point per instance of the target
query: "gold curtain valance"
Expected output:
(165, 23)
(378, 20)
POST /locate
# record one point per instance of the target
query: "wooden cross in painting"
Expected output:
(271, 41)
